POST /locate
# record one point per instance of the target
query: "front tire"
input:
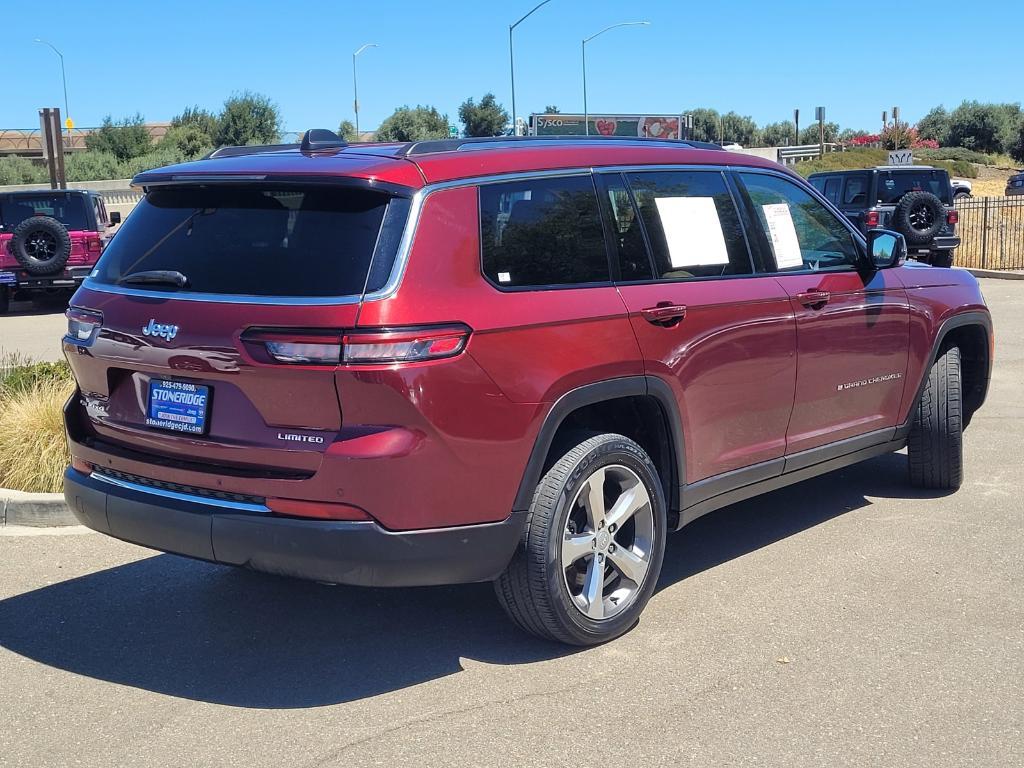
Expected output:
(935, 445)
(592, 547)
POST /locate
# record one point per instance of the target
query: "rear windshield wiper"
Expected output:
(156, 277)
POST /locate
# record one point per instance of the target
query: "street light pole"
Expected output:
(64, 80)
(586, 113)
(355, 83)
(512, 60)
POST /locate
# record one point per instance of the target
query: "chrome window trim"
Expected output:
(236, 506)
(408, 237)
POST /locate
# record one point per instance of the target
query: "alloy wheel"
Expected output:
(608, 541)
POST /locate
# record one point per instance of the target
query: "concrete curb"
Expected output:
(35, 510)
(998, 274)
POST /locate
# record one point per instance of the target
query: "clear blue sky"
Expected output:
(744, 55)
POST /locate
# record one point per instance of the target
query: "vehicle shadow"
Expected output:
(203, 632)
(48, 305)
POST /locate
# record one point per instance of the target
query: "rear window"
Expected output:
(255, 241)
(68, 209)
(894, 185)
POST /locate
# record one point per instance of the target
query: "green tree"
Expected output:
(705, 124)
(551, 109)
(413, 124)
(488, 118)
(978, 126)
(848, 134)
(740, 129)
(347, 131)
(777, 134)
(1016, 147)
(188, 139)
(935, 125)
(123, 139)
(248, 118)
(810, 134)
(201, 119)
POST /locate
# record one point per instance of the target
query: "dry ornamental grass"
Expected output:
(33, 449)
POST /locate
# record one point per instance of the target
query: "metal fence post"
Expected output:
(984, 235)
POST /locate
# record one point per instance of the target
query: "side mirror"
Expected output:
(115, 218)
(886, 248)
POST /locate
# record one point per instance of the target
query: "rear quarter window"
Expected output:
(542, 232)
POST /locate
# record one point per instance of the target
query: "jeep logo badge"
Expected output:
(166, 332)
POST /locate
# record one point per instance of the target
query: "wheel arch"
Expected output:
(972, 333)
(642, 408)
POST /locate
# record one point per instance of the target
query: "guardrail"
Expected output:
(790, 155)
(991, 233)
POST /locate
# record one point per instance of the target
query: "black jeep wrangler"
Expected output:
(915, 200)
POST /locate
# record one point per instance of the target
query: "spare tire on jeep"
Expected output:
(41, 244)
(919, 217)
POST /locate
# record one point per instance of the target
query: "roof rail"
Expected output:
(256, 149)
(432, 146)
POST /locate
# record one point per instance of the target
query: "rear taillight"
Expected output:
(871, 219)
(404, 345)
(386, 345)
(953, 217)
(83, 325)
(93, 245)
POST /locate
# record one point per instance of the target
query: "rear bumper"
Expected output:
(938, 244)
(70, 277)
(361, 553)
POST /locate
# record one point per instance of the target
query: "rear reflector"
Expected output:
(81, 466)
(316, 510)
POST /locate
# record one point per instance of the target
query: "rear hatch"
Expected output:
(178, 326)
(894, 184)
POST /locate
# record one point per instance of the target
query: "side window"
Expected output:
(691, 224)
(542, 232)
(627, 231)
(797, 230)
(855, 191)
(832, 190)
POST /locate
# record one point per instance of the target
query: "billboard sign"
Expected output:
(648, 126)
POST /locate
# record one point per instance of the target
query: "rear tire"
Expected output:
(592, 547)
(943, 259)
(935, 445)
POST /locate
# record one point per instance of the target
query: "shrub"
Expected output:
(157, 159)
(190, 141)
(417, 124)
(92, 166)
(202, 120)
(21, 170)
(33, 448)
(124, 139)
(18, 374)
(868, 157)
(956, 153)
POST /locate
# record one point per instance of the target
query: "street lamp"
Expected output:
(355, 83)
(512, 60)
(586, 113)
(67, 113)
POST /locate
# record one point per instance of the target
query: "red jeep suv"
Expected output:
(519, 361)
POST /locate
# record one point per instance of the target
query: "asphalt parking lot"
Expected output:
(34, 330)
(848, 620)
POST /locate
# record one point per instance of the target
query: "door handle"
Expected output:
(664, 314)
(813, 299)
